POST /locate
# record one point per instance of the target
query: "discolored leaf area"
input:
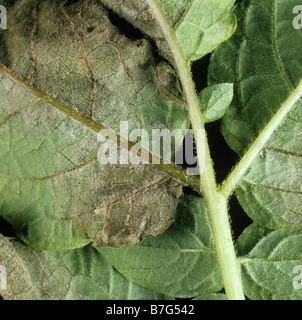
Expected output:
(81, 274)
(268, 259)
(263, 61)
(182, 262)
(66, 73)
(138, 13)
(200, 25)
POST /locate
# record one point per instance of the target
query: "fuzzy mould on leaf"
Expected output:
(66, 73)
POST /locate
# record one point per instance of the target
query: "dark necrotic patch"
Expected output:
(6, 229)
(125, 27)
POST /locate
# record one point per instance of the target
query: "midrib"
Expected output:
(170, 169)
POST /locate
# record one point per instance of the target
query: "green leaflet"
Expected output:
(181, 262)
(81, 274)
(263, 61)
(214, 101)
(269, 259)
(205, 25)
(72, 75)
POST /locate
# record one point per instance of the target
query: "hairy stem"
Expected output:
(234, 178)
(216, 205)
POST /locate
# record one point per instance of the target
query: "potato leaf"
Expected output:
(138, 13)
(66, 73)
(263, 61)
(67, 275)
(181, 262)
(268, 260)
(204, 25)
(214, 101)
(200, 25)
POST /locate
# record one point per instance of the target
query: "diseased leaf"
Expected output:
(268, 260)
(263, 61)
(68, 275)
(71, 75)
(138, 13)
(200, 25)
(214, 101)
(204, 25)
(181, 262)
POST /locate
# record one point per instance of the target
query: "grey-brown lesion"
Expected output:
(142, 219)
(75, 54)
(32, 40)
(68, 196)
(86, 59)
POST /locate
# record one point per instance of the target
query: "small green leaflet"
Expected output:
(181, 262)
(66, 275)
(214, 101)
(204, 25)
(268, 261)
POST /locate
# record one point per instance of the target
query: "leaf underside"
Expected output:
(182, 262)
(204, 25)
(81, 274)
(214, 101)
(200, 25)
(66, 73)
(71, 73)
(263, 60)
(268, 261)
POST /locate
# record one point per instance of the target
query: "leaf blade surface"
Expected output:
(81, 274)
(182, 262)
(263, 62)
(59, 91)
(268, 259)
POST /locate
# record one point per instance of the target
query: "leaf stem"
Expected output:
(216, 205)
(235, 176)
(170, 169)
